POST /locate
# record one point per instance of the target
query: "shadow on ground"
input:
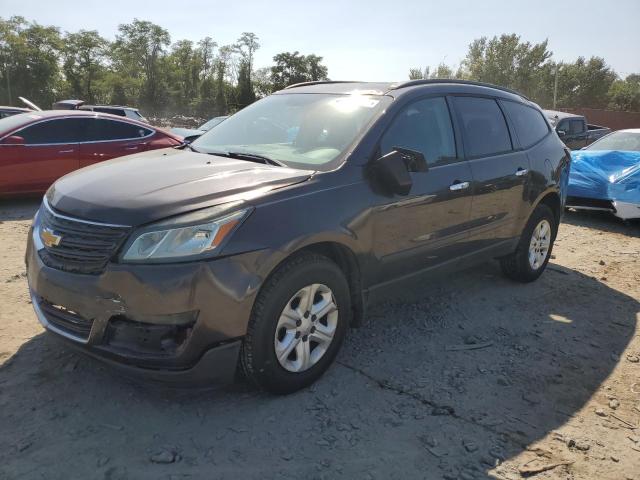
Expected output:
(602, 221)
(405, 399)
(22, 209)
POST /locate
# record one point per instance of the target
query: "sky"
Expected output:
(367, 40)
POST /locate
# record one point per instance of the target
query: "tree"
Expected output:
(29, 55)
(415, 74)
(441, 71)
(509, 62)
(138, 51)
(625, 94)
(183, 73)
(291, 68)
(245, 94)
(247, 45)
(585, 83)
(83, 55)
(262, 85)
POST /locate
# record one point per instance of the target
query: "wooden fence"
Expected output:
(608, 118)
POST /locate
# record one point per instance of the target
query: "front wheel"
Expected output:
(532, 254)
(298, 323)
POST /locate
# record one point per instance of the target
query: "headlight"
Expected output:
(186, 241)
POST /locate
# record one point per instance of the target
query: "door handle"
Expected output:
(521, 172)
(131, 148)
(66, 151)
(454, 187)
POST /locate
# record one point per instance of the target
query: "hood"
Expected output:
(149, 186)
(605, 174)
(187, 132)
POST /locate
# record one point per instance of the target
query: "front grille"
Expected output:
(84, 247)
(65, 319)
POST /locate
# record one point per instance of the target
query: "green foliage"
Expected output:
(83, 54)
(509, 62)
(142, 67)
(291, 68)
(625, 94)
(29, 55)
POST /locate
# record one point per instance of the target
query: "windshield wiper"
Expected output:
(254, 157)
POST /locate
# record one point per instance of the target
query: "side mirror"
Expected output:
(13, 140)
(561, 133)
(392, 170)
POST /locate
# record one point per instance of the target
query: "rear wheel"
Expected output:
(532, 254)
(298, 324)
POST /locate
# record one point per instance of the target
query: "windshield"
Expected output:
(211, 123)
(307, 131)
(625, 141)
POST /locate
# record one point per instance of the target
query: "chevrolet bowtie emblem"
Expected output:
(49, 238)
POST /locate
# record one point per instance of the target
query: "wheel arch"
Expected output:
(345, 258)
(553, 201)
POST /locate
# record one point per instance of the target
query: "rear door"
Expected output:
(499, 171)
(429, 226)
(50, 151)
(107, 138)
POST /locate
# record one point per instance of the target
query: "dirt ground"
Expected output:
(468, 377)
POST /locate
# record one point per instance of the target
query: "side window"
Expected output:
(484, 126)
(101, 130)
(564, 126)
(424, 126)
(528, 122)
(59, 131)
(577, 126)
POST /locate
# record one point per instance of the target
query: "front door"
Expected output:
(50, 151)
(428, 226)
(499, 172)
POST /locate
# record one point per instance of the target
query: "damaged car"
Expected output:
(606, 175)
(258, 246)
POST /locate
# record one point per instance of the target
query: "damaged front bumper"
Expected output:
(174, 322)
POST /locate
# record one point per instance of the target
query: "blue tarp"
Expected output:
(605, 174)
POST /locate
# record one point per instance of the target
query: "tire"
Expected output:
(270, 328)
(518, 265)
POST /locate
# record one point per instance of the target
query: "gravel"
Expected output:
(397, 404)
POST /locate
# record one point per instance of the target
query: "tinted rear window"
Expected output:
(102, 130)
(528, 122)
(485, 128)
(59, 131)
(112, 111)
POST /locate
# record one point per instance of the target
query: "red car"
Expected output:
(37, 148)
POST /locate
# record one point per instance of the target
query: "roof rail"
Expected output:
(412, 83)
(318, 82)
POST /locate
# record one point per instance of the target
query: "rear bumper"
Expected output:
(177, 323)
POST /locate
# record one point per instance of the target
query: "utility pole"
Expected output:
(555, 87)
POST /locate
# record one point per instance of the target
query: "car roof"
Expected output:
(110, 106)
(630, 130)
(15, 109)
(396, 89)
(34, 116)
(556, 114)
